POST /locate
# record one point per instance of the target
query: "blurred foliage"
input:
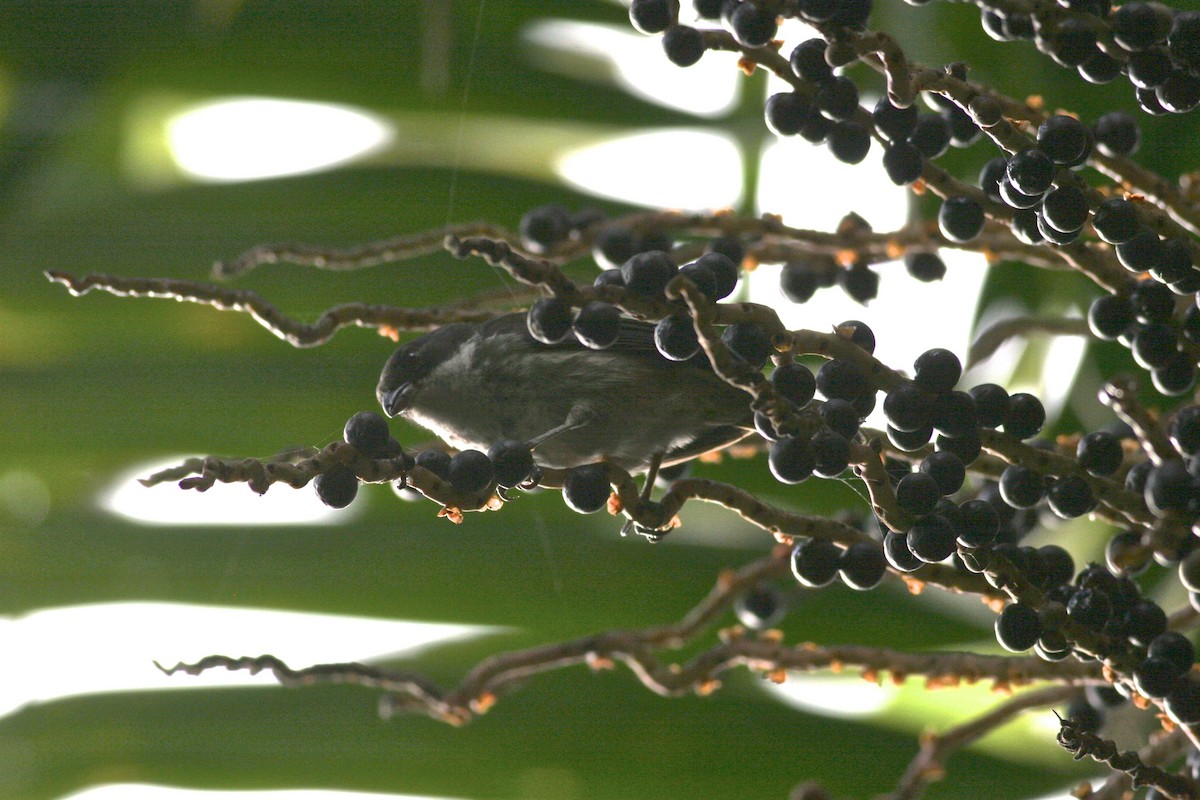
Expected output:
(91, 386)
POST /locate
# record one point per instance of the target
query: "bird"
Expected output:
(475, 384)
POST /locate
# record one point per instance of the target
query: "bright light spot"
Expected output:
(24, 497)
(250, 138)
(812, 189)
(145, 791)
(111, 647)
(684, 169)
(833, 696)
(223, 504)
(708, 88)
(1001, 365)
(1059, 370)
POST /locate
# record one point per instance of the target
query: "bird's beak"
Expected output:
(394, 401)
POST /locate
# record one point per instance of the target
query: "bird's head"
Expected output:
(414, 361)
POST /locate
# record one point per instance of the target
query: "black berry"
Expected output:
(898, 554)
(937, 370)
(860, 282)
(946, 469)
(925, 266)
(791, 460)
(917, 493)
(549, 320)
(470, 471)
(961, 218)
(1031, 171)
(597, 325)
(436, 461)
(586, 489)
(1025, 416)
(862, 565)
(931, 539)
(795, 382)
(1018, 627)
(842, 379)
(808, 61)
(892, 123)
(683, 44)
(748, 341)
(675, 337)
(832, 453)
(1070, 496)
(1100, 453)
(1117, 134)
(991, 404)
(1110, 316)
(909, 407)
(367, 432)
(752, 26)
(723, 266)
(1021, 487)
(849, 141)
(815, 562)
(544, 227)
(512, 460)
(338, 487)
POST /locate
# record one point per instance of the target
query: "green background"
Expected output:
(90, 386)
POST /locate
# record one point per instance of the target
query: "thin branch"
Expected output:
(993, 338)
(260, 475)
(929, 765)
(1120, 394)
(1082, 744)
(493, 676)
(1130, 506)
(399, 248)
(292, 331)
(1163, 748)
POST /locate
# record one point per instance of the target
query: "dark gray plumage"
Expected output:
(475, 384)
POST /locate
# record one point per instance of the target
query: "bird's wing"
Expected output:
(712, 439)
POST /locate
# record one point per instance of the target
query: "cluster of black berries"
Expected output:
(915, 410)
(545, 227)
(646, 266)
(683, 44)
(817, 562)
(1159, 47)
(1145, 318)
(913, 137)
(929, 405)
(849, 398)
(824, 112)
(753, 24)
(937, 532)
(1068, 496)
(1113, 610)
(506, 464)
(1026, 181)
(801, 277)
(368, 433)
(645, 263)
(1172, 487)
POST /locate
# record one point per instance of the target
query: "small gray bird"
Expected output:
(474, 384)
